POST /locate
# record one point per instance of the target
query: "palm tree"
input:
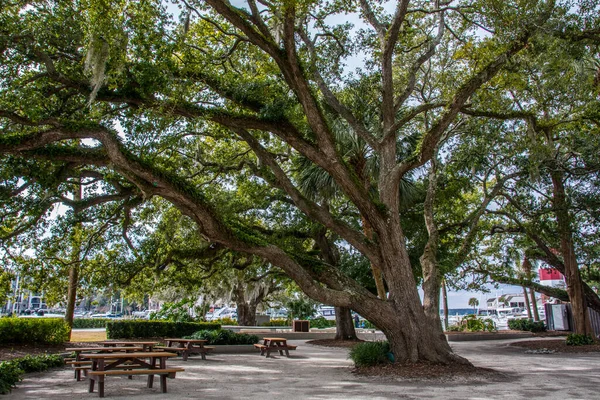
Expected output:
(473, 302)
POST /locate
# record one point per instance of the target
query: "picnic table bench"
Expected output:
(147, 345)
(128, 364)
(185, 347)
(274, 344)
(81, 363)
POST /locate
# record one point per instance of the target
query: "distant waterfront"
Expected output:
(458, 311)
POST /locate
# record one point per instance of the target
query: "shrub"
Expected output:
(33, 330)
(127, 329)
(370, 353)
(277, 322)
(576, 339)
(526, 325)
(224, 336)
(224, 321)
(84, 323)
(12, 371)
(321, 323)
(470, 323)
(10, 374)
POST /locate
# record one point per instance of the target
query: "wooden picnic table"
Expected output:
(80, 363)
(274, 344)
(136, 363)
(185, 347)
(146, 345)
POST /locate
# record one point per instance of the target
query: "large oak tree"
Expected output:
(180, 109)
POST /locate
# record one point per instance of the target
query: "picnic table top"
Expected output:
(141, 354)
(275, 339)
(104, 349)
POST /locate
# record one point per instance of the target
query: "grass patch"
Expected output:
(87, 336)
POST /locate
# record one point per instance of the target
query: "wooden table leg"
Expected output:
(101, 378)
(163, 383)
(150, 376)
(91, 385)
(92, 379)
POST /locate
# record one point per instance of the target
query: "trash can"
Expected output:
(300, 326)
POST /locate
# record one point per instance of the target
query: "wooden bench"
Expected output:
(186, 351)
(163, 373)
(266, 349)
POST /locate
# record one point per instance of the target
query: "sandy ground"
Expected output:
(314, 372)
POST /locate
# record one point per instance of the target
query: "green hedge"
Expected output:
(84, 323)
(321, 323)
(33, 330)
(12, 371)
(526, 325)
(277, 322)
(224, 336)
(126, 329)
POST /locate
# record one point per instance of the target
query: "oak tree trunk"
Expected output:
(572, 275)
(74, 268)
(246, 313)
(344, 324)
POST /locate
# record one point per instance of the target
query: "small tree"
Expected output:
(473, 302)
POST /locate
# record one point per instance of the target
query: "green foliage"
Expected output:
(225, 321)
(526, 325)
(370, 353)
(152, 329)
(85, 323)
(10, 374)
(321, 323)
(277, 322)
(174, 312)
(33, 330)
(12, 371)
(470, 323)
(224, 336)
(301, 308)
(576, 339)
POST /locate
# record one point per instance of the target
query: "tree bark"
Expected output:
(74, 267)
(536, 314)
(429, 261)
(572, 275)
(527, 305)
(246, 312)
(344, 324)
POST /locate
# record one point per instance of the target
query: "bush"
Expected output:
(370, 353)
(128, 329)
(470, 323)
(33, 330)
(85, 323)
(526, 325)
(224, 321)
(224, 336)
(321, 323)
(576, 339)
(278, 322)
(12, 371)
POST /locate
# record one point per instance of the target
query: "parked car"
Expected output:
(225, 312)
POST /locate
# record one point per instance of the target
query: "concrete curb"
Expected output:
(464, 337)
